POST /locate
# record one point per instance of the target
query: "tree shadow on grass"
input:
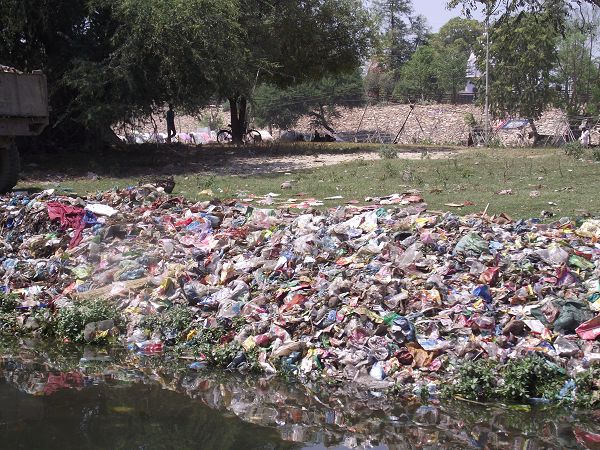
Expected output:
(173, 159)
(135, 161)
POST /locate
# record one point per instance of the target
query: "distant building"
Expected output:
(469, 94)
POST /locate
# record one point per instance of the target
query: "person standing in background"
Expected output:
(585, 137)
(170, 123)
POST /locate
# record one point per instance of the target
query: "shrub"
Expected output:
(70, 321)
(587, 389)
(532, 376)
(470, 120)
(169, 323)
(520, 380)
(8, 313)
(8, 302)
(389, 171)
(476, 381)
(574, 149)
(495, 142)
(217, 346)
(388, 152)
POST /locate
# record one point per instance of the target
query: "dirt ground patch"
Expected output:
(267, 164)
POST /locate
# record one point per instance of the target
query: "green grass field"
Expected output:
(563, 185)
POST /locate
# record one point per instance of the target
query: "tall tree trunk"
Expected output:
(534, 133)
(321, 119)
(238, 105)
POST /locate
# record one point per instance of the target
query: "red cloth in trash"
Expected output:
(587, 439)
(589, 330)
(70, 217)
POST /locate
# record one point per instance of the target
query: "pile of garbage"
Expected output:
(379, 297)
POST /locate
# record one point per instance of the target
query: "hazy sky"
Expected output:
(436, 12)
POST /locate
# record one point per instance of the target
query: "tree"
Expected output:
(523, 55)
(401, 31)
(577, 72)
(287, 43)
(451, 67)
(463, 34)
(438, 67)
(453, 44)
(43, 36)
(419, 77)
(108, 61)
(112, 60)
(510, 6)
(379, 82)
(318, 99)
(147, 66)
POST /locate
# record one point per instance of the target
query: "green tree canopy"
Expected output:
(523, 55)
(508, 7)
(289, 42)
(439, 68)
(160, 51)
(419, 76)
(111, 60)
(462, 34)
(401, 31)
(577, 73)
(318, 99)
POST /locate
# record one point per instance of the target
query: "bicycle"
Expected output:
(250, 136)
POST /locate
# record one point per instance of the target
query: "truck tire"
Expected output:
(9, 168)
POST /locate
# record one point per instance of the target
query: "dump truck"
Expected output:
(23, 112)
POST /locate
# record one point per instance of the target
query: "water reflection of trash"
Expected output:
(338, 416)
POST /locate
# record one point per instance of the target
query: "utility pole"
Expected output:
(487, 73)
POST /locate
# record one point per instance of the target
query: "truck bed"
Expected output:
(23, 95)
(23, 104)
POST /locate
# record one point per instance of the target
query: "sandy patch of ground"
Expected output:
(260, 164)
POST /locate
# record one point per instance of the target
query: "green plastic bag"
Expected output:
(471, 244)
